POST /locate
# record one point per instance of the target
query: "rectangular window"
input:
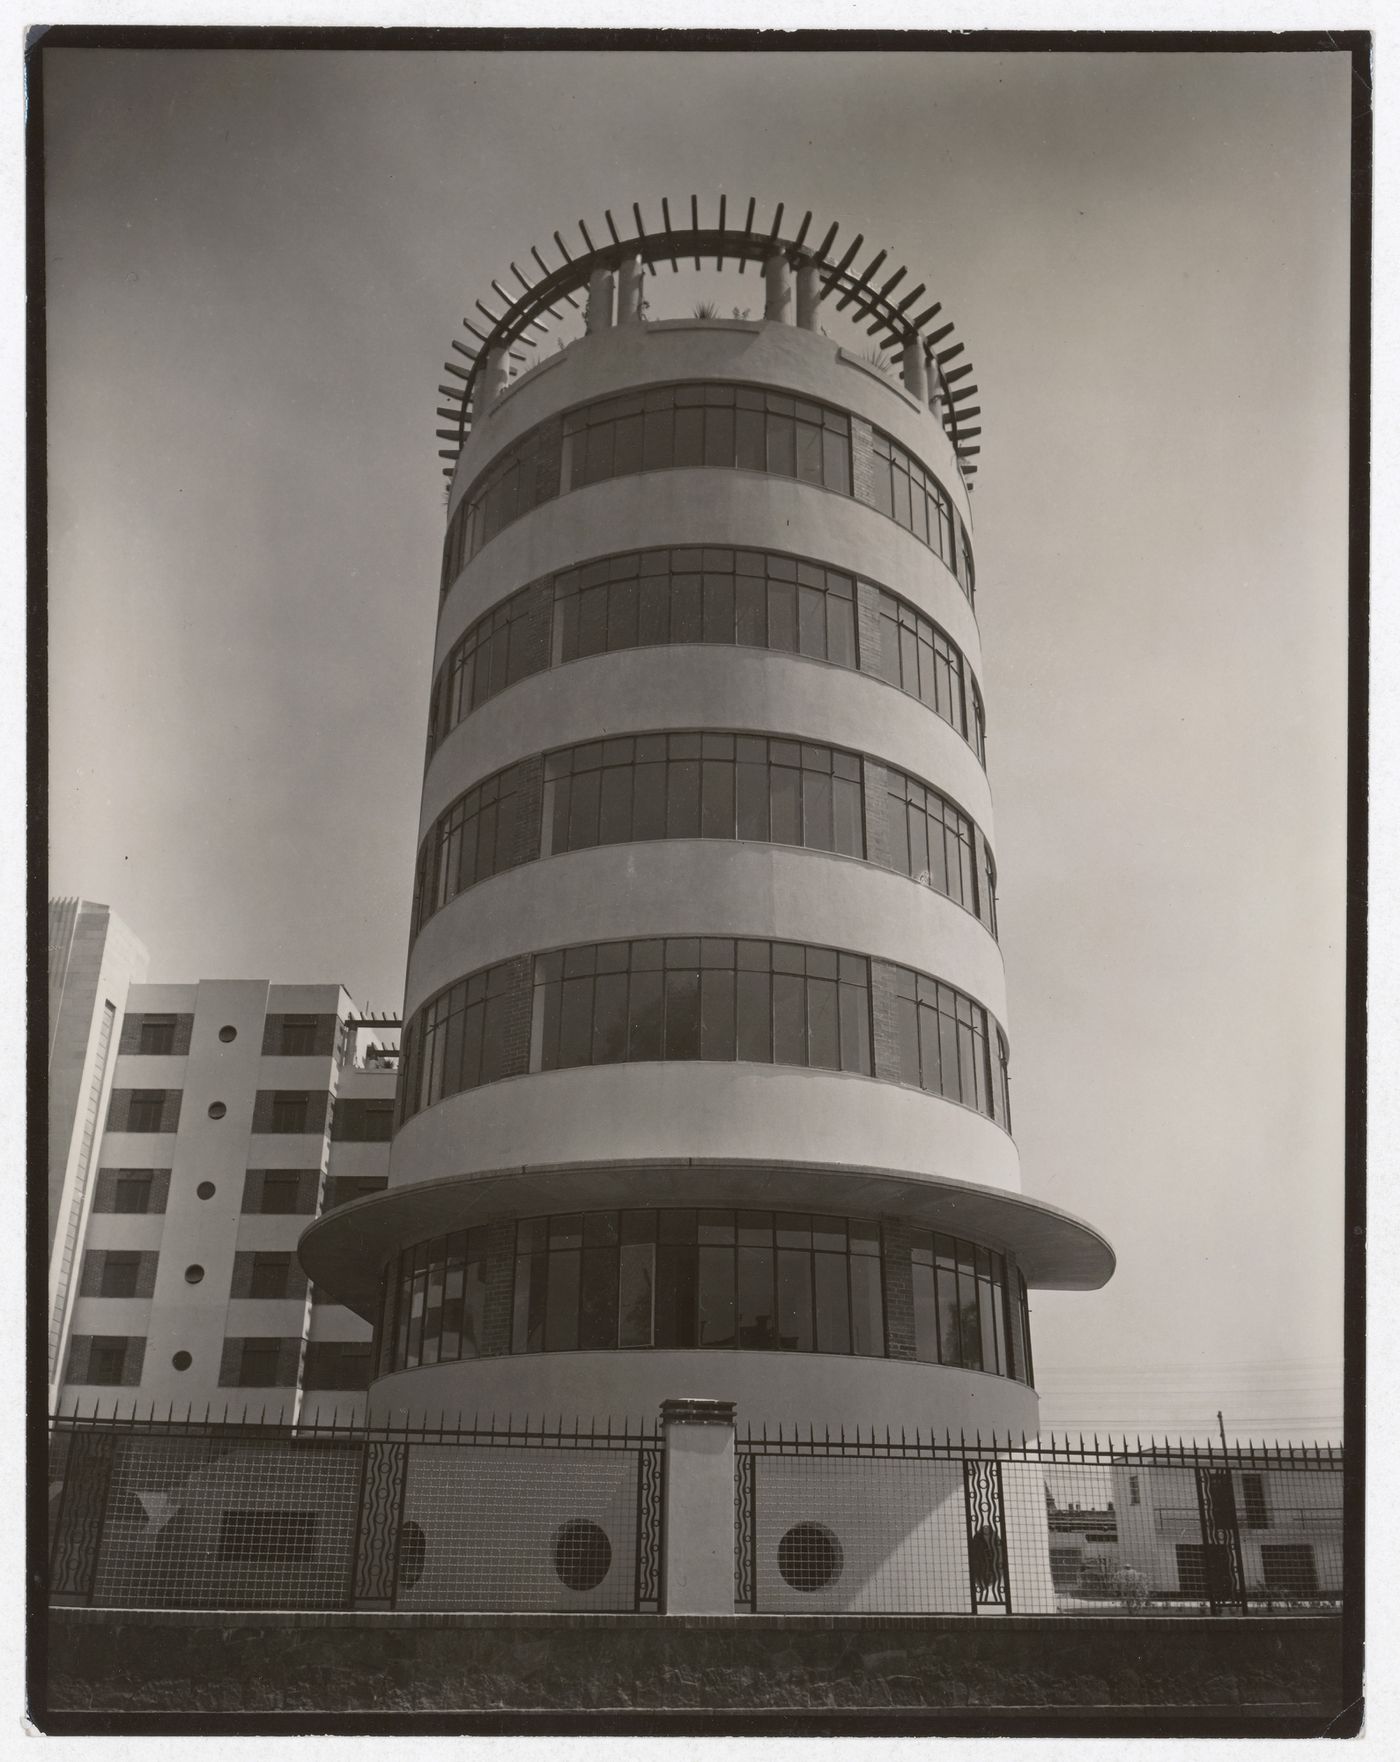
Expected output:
(1256, 1510)
(106, 1360)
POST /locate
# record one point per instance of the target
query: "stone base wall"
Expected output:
(1169, 1671)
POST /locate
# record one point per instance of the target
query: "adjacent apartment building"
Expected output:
(195, 1130)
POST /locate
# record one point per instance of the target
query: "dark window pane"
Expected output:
(785, 785)
(752, 807)
(683, 799)
(717, 820)
(576, 1023)
(719, 436)
(561, 1315)
(719, 608)
(654, 610)
(751, 611)
(818, 832)
(855, 1030)
(598, 1299)
(690, 437)
(809, 453)
(583, 811)
(836, 461)
(635, 1299)
(847, 834)
(622, 615)
(925, 1313)
(717, 1296)
(782, 446)
(824, 1048)
(610, 1019)
(757, 1329)
(754, 1027)
(627, 446)
(675, 1294)
(645, 1007)
(782, 616)
(615, 805)
(789, 1019)
(687, 608)
(717, 1014)
(749, 440)
(867, 1307)
(682, 1014)
(833, 1309)
(649, 802)
(658, 440)
(795, 1300)
(949, 1316)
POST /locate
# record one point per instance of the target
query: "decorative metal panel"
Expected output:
(89, 1473)
(986, 1535)
(745, 1589)
(380, 1505)
(649, 1517)
(1220, 1533)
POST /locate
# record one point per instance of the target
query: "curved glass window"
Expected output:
(742, 427)
(709, 998)
(960, 1304)
(915, 655)
(713, 1279)
(944, 1046)
(703, 786)
(710, 594)
(484, 831)
(686, 997)
(930, 840)
(659, 429)
(762, 788)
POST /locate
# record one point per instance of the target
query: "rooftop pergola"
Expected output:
(893, 317)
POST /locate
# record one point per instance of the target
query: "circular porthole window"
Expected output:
(182, 1361)
(227, 1033)
(217, 1110)
(582, 1554)
(193, 1274)
(809, 1557)
(413, 1553)
(205, 1189)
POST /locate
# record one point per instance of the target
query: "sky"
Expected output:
(256, 263)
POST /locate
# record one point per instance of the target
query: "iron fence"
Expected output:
(491, 1515)
(527, 1515)
(914, 1523)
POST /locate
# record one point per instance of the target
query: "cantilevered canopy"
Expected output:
(345, 1250)
(516, 321)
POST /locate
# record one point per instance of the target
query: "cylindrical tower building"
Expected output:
(704, 1083)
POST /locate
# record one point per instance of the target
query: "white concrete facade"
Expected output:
(200, 1213)
(540, 1141)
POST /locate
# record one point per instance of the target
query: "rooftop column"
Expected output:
(777, 278)
(629, 291)
(915, 369)
(598, 314)
(809, 290)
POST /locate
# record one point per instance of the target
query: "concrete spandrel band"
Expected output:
(709, 999)
(715, 595)
(710, 785)
(715, 425)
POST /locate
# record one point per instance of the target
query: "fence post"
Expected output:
(697, 1558)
